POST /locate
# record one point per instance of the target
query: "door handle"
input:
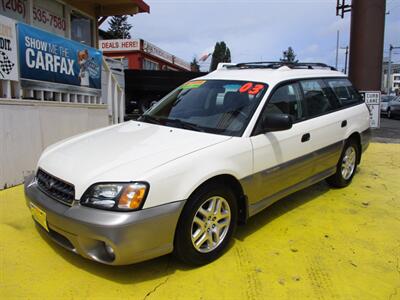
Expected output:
(306, 137)
(344, 123)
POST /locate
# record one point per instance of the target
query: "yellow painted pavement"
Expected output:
(319, 243)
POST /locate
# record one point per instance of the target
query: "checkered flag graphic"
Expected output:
(6, 65)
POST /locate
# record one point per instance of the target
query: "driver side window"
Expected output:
(286, 99)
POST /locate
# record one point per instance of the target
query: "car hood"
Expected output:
(123, 152)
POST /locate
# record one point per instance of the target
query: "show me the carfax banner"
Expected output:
(47, 57)
(8, 49)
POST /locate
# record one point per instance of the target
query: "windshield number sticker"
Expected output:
(251, 88)
(192, 84)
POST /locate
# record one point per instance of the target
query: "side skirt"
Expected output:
(264, 203)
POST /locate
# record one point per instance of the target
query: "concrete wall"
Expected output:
(28, 127)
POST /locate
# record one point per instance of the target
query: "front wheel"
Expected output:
(347, 165)
(206, 225)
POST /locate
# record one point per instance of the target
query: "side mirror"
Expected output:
(277, 122)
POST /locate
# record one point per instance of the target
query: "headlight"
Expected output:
(116, 196)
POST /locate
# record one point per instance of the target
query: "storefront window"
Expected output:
(149, 65)
(81, 29)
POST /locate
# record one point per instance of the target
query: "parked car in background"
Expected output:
(385, 99)
(212, 153)
(390, 105)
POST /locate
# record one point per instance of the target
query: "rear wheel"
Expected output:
(346, 166)
(206, 225)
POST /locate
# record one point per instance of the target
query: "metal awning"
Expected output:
(104, 8)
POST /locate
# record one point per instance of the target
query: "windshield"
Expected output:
(214, 106)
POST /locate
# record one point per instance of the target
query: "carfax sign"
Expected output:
(8, 50)
(48, 57)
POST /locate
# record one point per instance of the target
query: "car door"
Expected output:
(327, 125)
(281, 158)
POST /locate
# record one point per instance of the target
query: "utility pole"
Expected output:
(366, 43)
(345, 61)
(337, 49)
(389, 70)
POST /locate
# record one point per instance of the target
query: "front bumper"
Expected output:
(133, 236)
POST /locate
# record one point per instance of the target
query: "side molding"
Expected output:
(264, 203)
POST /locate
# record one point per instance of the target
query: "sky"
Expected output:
(254, 30)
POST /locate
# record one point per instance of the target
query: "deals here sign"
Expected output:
(47, 57)
(8, 49)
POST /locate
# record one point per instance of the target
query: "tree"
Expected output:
(221, 54)
(289, 56)
(194, 65)
(119, 28)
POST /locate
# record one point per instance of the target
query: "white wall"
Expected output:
(27, 127)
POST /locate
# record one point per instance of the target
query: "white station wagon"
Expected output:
(211, 154)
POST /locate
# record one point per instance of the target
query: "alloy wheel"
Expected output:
(348, 162)
(210, 224)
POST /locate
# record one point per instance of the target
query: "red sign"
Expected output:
(119, 45)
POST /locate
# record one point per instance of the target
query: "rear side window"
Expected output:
(318, 98)
(344, 91)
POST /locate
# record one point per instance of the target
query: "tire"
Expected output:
(389, 114)
(196, 239)
(347, 165)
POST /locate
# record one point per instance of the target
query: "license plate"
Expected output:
(39, 215)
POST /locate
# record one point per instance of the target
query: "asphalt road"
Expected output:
(318, 243)
(389, 132)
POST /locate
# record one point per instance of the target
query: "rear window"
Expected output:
(344, 91)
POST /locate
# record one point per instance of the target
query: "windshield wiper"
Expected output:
(162, 121)
(150, 119)
(184, 124)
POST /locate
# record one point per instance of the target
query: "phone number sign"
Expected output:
(15, 9)
(47, 14)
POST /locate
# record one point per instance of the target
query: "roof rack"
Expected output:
(279, 64)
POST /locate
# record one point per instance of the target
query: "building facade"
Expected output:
(138, 54)
(54, 82)
(394, 80)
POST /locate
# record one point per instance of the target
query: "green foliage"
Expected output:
(119, 28)
(289, 56)
(221, 54)
(194, 65)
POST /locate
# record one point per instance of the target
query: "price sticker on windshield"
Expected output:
(192, 84)
(251, 88)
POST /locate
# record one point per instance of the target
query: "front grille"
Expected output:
(57, 189)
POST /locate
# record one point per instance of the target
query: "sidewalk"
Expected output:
(319, 243)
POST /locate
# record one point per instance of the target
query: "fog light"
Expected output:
(109, 251)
